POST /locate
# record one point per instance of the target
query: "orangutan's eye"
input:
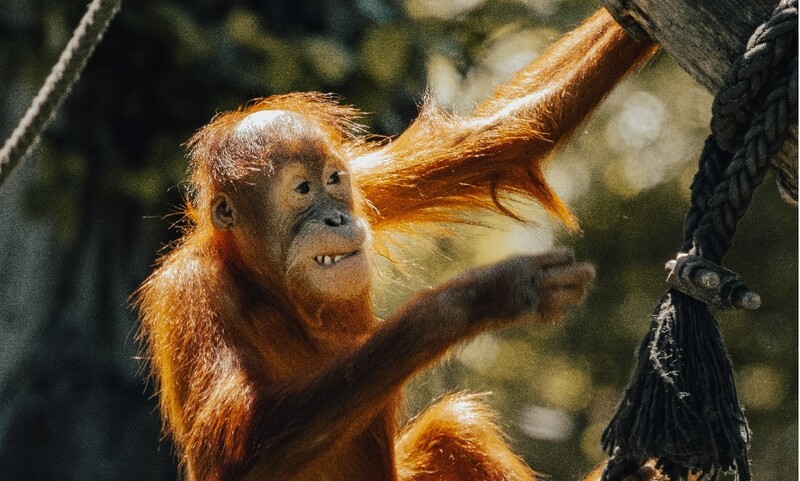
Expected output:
(303, 188)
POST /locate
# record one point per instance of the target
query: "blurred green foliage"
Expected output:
(166, 67)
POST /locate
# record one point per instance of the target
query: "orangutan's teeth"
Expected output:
(327, 261)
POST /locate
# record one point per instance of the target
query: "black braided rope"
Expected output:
(731, 198)
(713, 162)
(770, 46)
(723, 186)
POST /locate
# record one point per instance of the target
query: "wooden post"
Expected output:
(704, 37)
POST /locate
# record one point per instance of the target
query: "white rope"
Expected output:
(58, 84)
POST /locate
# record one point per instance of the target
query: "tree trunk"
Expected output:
(704, 38)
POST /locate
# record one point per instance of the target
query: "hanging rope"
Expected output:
(730, 197)
(58, 84)
(681, 406)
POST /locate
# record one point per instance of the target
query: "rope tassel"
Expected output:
(681, 408)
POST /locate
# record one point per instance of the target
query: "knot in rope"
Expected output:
(761, 93)
(768, 49)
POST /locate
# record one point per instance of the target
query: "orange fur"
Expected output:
(247, 392)
(444, 164)
(457, 439)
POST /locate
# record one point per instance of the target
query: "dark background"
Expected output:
(84, 218)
